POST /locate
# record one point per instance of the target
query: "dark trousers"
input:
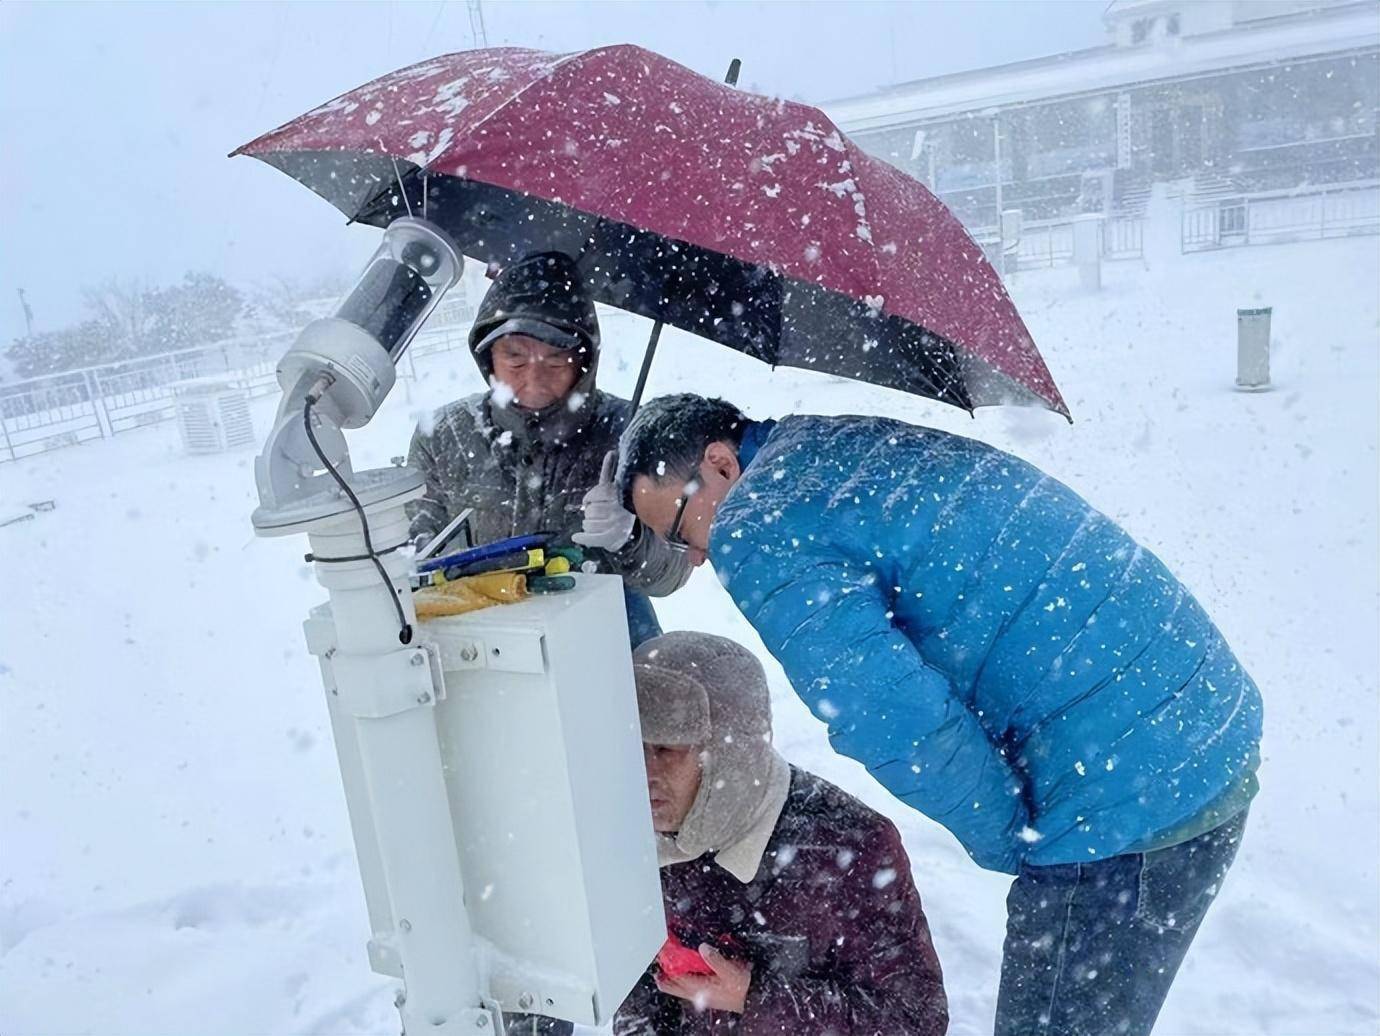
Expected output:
(1091, 948)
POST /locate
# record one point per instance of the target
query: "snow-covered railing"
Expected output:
(48, 413)
(39, 415)
(1049, 242)
(1279, 216)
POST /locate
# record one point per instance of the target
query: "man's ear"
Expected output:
(723, 459)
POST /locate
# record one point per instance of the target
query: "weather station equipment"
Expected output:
(491, 761)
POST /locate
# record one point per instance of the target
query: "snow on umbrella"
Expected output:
(749, 220)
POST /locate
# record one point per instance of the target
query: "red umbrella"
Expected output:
(749, 220)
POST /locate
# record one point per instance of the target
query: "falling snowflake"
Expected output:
(883, 877)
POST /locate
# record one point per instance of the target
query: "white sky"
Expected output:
(115, 119)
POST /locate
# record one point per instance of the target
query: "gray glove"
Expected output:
(608, 524)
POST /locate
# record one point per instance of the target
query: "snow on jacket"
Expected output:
(1000, 656)
(831, 922)
(527, 471)
(518, 484)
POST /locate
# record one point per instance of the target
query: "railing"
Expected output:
(1047, 243)
(48, 414)
(1050, 244)
(43, 414)
(1282, 216)
(1123, 239)
(440, 340)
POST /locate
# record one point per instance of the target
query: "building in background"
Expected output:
(1229, 100)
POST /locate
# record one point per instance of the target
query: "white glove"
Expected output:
(608, 524)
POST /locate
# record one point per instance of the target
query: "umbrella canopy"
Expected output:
(749, 220)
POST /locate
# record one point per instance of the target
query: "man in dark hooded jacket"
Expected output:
(790, 904)
(529, 455)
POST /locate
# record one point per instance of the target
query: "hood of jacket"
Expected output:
(707, 691)
(546, 287)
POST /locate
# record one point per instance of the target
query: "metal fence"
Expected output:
(1282, 216)
(48, 413)
(1047, 243)
(43, 414)
(1123, 238)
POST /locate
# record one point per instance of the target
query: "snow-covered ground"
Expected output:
(174, 850)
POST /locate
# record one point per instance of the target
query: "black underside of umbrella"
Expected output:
(778, 320)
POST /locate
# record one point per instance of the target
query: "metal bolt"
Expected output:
(469, 653)
(405, 925)
(398, 462)
(422, 699)
(418, 659)
(526, 1001)
(482, 1021)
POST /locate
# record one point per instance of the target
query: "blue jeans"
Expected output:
(1091, 948)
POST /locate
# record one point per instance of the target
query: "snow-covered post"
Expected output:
(98, 410)
(1009, 227)
(1253, 348)
(5, 433)
(1087, 249)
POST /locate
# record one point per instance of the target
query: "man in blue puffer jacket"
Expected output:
(1002, 658)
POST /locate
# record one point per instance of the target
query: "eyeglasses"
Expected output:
(673, 538)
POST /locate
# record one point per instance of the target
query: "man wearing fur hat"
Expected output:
(534, 452)
(790, 904)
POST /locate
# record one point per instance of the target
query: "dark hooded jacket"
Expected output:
(528, 471)
(831, 922)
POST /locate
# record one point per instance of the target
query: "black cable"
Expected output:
(405, 630)
(309, 558)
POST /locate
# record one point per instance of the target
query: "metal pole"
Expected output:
(98, 409)
(996, 162)
(477, 29)
(5, 430)
(406, 804)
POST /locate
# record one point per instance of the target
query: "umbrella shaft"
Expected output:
(646, 366)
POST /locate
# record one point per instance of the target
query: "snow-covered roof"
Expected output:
(1326, 30)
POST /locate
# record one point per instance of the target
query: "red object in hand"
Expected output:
(676, 959)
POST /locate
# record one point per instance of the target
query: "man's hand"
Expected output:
(725, 990)
(608, 524)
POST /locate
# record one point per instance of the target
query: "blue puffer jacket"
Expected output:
(999, 655)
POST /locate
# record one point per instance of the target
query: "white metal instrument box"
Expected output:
(541, 753)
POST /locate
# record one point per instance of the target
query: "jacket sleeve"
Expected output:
(429, 514)
(648, 563)
(885, 978)
(821, 614)
(647, 1011)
